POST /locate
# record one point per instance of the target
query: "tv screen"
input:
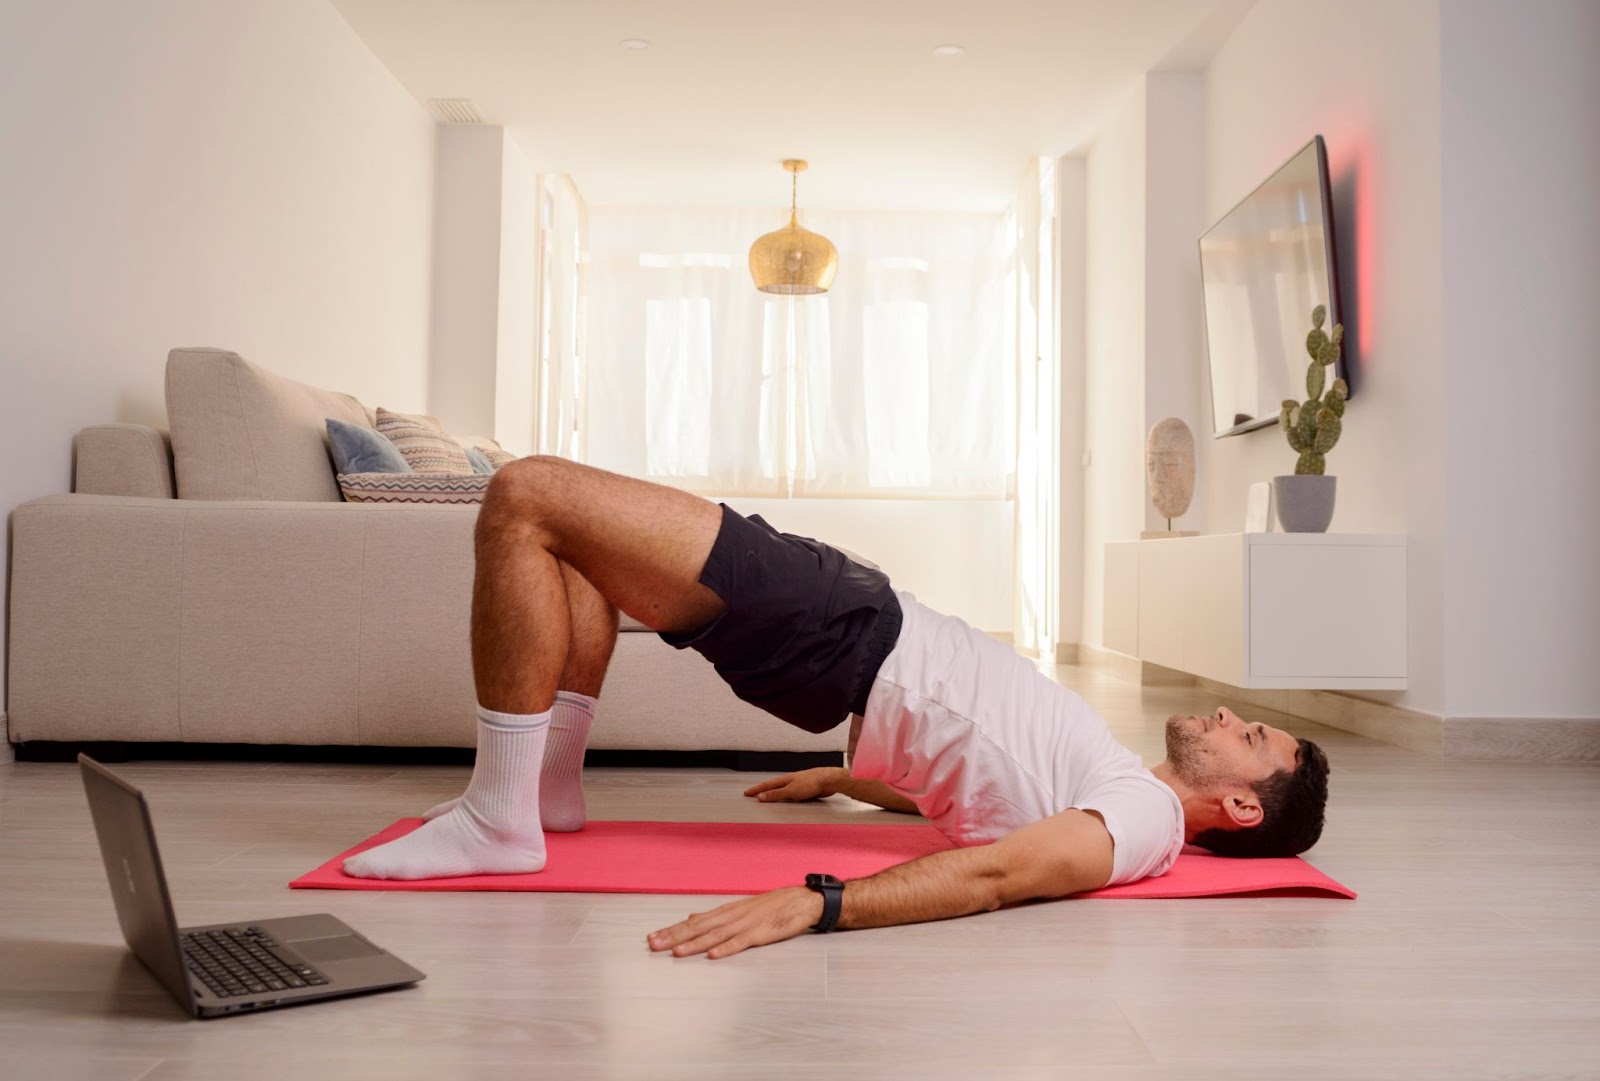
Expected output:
(1263, 268)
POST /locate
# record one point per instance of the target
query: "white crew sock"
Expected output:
(561, 806)
(494, 828)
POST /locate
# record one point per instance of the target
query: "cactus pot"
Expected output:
(1304, 502)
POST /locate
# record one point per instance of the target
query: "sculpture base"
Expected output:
(1149, 534)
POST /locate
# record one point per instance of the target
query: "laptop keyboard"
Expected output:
(246, 961)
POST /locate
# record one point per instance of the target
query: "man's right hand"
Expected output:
(797, 787)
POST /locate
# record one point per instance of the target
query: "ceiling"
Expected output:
(729, 88)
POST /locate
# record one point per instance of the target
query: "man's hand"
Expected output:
(827, 781)
(797, 787)
(739, 925)
(1064, 854)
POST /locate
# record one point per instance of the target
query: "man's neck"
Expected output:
(1193, 804)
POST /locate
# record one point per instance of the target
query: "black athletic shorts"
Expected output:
(806, 629)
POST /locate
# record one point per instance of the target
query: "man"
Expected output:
(946, 721)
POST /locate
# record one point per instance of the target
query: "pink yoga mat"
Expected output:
(753, 857)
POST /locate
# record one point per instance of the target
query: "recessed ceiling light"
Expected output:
(634, 44)
(948, 50)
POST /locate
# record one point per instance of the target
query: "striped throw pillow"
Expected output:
(423, 443)
(414, 487)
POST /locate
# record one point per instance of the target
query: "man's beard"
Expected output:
(1186, 751)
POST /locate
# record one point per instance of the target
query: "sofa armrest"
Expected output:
(123, 459)
(240, 622)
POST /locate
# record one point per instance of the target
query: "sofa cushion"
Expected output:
(480, 464)
(241, 432)
(414, 487)
(358, 449)
(424, 443)
(123, 459)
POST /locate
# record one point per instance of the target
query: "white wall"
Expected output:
(485, 286)
(955, 555)
(1144, 210)
(199, 172)
(1366, 75)
(1114, 347)
(1521, 242)
(1175, 216)
(1072, 175)
(469, 171)
(515, 399)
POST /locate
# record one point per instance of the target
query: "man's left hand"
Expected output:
(739, 925)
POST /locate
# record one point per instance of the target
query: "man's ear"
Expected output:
(1242, 809)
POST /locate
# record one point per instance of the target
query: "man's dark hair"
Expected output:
(1292, 805)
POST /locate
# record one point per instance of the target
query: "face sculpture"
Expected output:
(1169, 465)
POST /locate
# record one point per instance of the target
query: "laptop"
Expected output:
(222, 968)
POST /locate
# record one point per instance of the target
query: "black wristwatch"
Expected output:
(832, 891)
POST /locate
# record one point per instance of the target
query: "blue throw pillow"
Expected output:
(480, 464)
(362, 450)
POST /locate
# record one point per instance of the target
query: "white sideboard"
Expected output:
(1271, 610)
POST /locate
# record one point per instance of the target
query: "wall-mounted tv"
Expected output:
(1263, 268)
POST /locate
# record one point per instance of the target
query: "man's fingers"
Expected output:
(767, 785)
(736, 944)
(697, 924)
(702, 943)
(735, 927)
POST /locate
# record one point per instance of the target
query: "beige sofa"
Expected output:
(220, 591)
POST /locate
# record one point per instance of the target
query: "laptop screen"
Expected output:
(133, 867)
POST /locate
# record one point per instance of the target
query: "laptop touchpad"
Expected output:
(337, 948)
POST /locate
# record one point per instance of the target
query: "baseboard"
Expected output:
(1131, 669)
(1119, 664)
(1524, 739)
(1408, 728)
(1067, 653)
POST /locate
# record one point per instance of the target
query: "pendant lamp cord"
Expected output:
(794, 191)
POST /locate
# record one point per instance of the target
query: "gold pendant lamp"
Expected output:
(792, 259)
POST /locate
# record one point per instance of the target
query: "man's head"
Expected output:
(1261, 790)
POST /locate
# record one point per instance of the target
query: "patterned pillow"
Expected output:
(497, 457)
(414, 487)
(423, 443)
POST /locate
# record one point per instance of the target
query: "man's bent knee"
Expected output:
(519, 497)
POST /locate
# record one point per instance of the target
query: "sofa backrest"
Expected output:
(240, 432)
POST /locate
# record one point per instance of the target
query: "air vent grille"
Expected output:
(455, 110)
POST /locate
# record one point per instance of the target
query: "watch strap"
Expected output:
(832, 891)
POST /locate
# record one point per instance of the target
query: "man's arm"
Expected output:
(1066, 853)
(824, 781)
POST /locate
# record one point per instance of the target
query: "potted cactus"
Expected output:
(1305, 500)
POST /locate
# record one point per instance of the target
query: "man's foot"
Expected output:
(494, 828)
(460, 842)
(561, 805)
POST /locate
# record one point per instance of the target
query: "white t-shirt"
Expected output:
(984, 743)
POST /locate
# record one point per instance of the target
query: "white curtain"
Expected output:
(896, 383)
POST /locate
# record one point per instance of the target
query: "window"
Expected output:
(896, 383)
